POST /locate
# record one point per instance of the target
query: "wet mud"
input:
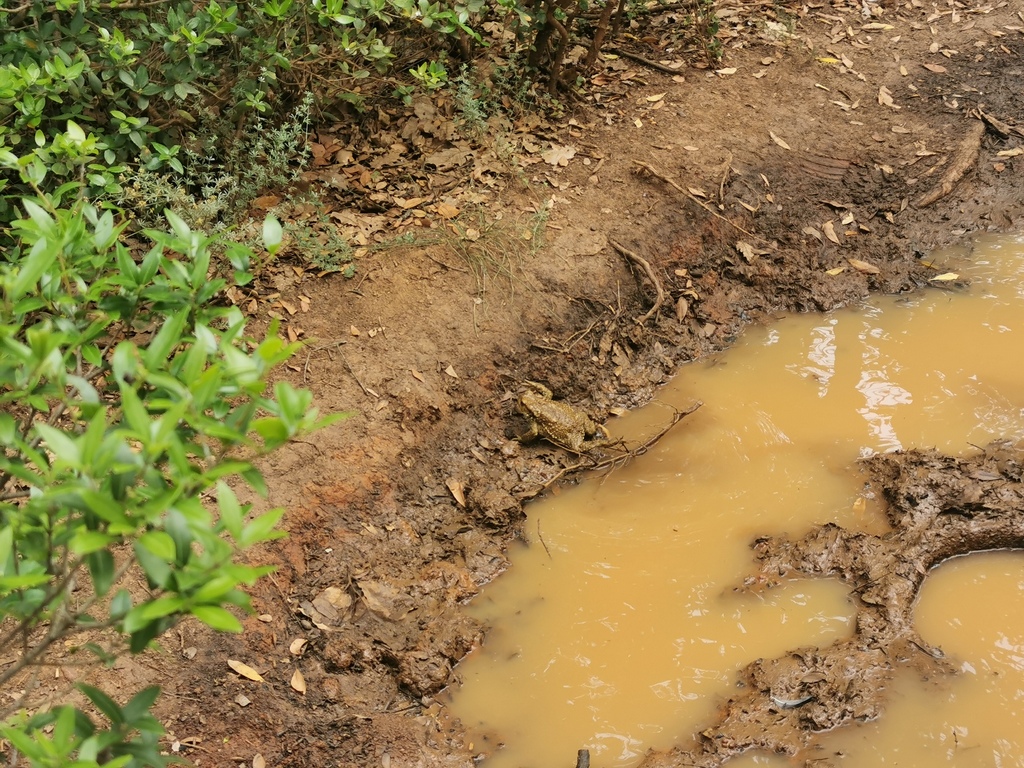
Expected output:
(938, 507)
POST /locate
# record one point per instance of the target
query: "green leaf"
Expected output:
(159, 543)
(63, 447)
(101, 569)
(140, 704)
(217, 618)
(262, 528)
(103, 703)
(86, 541)
(169, 336)
(272, 234)
(230, 510)
(147, 613)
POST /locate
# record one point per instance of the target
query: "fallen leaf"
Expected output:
(830, 232)
(245, 670)
(747, 250)
(885, 98)
(813, 233)
(726, 71)
(689, 148)
(696, 191)
(416, 374)
(835, 271)
(656, 97)
(938, 68)
(458, 490)
(266, 618)
(863, 266)
(332, 602)
(682, 307)
(353, 331)
(558, 155)
(258, 761)
(451, 372)
(778, 141)
(946, 276)
(297, 646)
(242, 700)
(446, 211)
(298, 682)
(384, 600)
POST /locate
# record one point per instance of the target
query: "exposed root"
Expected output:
(646, 267)
(964, 158)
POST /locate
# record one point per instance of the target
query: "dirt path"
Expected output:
(786, 182)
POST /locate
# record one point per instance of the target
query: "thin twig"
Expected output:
(703, 205)
(541, 539)
(646, 62)
(645, 265)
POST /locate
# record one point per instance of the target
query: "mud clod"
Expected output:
(938, 507)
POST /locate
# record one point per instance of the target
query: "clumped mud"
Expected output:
(938, 507)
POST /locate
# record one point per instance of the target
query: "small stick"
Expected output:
(540, 538)
(712, 211)
(646, 62)
(645, 265)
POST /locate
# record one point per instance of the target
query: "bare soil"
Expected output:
(786, 181)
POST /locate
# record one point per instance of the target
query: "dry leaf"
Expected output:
(885, 98)
(726, 71)
(682, 307)
(446, 211)
(353, 331)
(835, 271)
(559, 155)
(946, 276)
(266, 618)
(297, 646)
(298, 682)
(778, 141)
(638, 123)
(938, 68)
(332, 602)
(416, 374)
(245, 670)
(813, 233)
(689, 148)
(242, 700)
(830, 232)
(451, 372)
(458, 490)
(863, 266)
(696, 191)
(1011, 152)
(747, 250)
(656, 97)
(258, 761)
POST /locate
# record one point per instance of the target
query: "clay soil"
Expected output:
(790, 180)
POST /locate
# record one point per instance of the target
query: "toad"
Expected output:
(558, 422)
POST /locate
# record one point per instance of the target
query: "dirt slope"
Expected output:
(786, 182)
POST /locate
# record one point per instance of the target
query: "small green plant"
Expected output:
(130, 397)
(430, 75)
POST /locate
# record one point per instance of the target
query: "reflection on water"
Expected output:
(618, 628)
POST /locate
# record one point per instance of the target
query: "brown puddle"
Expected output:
(618, 628)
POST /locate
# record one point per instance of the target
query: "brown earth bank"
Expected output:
(674, 209)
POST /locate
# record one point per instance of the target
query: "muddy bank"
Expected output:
(745, 194)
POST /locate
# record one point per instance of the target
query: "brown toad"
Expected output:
(558, 422)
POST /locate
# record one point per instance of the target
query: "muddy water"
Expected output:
(619, 629)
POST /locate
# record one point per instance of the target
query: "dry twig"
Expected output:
(650, 169)
(641, 262)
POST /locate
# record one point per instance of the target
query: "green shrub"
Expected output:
(128, 393)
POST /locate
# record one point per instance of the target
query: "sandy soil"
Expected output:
(788, 181)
